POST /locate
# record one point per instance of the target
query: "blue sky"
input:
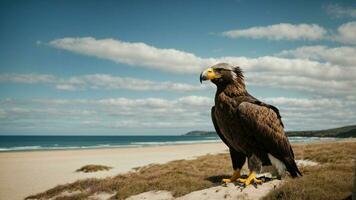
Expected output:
(132, 67)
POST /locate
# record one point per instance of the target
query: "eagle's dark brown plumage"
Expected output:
(250, 128)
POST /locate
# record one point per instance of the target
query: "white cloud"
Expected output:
(133, 54)
(342, 56)
(19, 112)
(2, 113)
(302, 74)
(186, 101)
(339, 11)
(27, 78)
(66, 87)
(116, 105)
(195, 101)
(305, 103)
(114, 82)
(99, 81)
(326, 88)
(282, 31)
(295, 67)
(346, 33)
(314, 113)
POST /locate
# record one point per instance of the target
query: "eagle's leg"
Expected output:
(255, 165)
(238, 159)
(250, 179)
(233, 178)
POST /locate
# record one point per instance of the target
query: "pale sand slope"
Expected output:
(228, 192)
(25, 173)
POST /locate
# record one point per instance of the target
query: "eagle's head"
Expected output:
(223, 74)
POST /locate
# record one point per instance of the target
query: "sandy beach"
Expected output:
(25, 173)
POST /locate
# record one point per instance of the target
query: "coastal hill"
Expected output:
(201, 133)
(341, 132)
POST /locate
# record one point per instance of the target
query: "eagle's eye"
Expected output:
(217, 71)
(220, 70)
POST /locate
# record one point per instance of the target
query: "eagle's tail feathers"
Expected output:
(292, 167)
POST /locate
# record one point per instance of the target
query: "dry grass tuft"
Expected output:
(93, 168)
(330, 180)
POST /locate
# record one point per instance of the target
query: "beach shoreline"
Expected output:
(144, 144)
(28, 172)
(106, 147)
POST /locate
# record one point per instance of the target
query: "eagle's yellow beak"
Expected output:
(208, 74)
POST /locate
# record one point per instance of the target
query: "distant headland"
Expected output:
(340, 132)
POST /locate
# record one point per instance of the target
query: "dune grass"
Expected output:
(93, 168)
(332, 179)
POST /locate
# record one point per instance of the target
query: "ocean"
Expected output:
(32, 143)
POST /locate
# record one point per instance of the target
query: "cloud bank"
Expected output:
(325, 72)
(99, 81)
(339, 11)
(150, 114)
(341, 56)
(346, 33)
(282, 31)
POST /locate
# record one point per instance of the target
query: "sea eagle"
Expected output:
(250, 128)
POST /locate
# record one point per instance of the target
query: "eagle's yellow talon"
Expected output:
(257, 181)
(250, 179)
(233, 178)
(242, 180)
(226, 180)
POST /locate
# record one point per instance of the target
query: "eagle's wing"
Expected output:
(264, 123)
(238, 159)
